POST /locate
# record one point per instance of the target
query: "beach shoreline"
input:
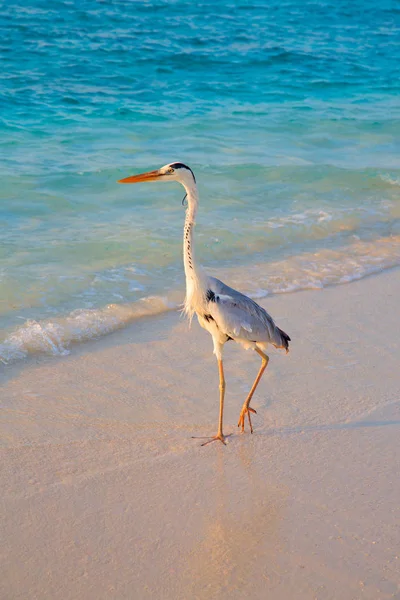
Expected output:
(105, 494)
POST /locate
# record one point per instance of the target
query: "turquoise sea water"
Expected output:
(288, 112)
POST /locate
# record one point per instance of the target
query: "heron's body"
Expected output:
(231, 315)
(224, 312)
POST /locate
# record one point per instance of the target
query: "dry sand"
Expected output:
(105, 495)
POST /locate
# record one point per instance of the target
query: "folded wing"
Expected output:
(238, 316)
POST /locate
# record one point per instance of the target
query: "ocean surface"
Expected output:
(287, 111)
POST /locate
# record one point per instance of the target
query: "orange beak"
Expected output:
(149, 176)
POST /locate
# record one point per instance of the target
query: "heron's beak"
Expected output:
(149, 176)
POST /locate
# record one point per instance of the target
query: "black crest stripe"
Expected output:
(179, 165)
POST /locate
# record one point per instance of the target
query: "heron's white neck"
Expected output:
(194, 274)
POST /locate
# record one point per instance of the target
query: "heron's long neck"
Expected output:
(193, 272)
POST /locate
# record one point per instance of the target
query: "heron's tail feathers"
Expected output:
(285, 340)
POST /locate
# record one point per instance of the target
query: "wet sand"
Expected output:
(105, 494)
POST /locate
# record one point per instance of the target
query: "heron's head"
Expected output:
(173, 172)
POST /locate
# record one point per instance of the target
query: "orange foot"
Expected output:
(220, 436)
(246, 410)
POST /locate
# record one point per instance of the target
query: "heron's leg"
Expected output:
(246, 408)
(220, 436)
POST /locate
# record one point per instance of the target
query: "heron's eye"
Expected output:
(170, 171)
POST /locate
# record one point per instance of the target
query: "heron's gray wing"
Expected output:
(239, 316)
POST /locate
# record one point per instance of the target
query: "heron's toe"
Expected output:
(246, 410)
(220, 436)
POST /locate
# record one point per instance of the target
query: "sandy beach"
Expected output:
(105, 494)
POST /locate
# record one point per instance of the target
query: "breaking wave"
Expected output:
(55, 336)
(301, 272)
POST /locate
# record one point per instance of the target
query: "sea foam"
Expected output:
(300, 272)
(55, 336)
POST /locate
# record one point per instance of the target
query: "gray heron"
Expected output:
(224, 312)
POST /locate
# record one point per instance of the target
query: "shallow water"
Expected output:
(290, 118)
